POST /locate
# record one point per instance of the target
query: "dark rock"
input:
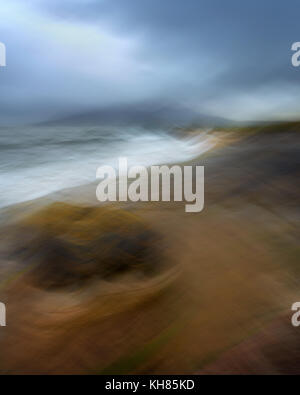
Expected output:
(68, 245)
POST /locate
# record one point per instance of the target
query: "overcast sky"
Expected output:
(225, 58)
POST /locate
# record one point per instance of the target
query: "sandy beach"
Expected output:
(229, 274)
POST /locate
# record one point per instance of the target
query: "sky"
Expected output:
(229, 59)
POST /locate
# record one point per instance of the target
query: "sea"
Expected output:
(38, 160)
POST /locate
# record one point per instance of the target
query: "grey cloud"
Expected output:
(204, 53)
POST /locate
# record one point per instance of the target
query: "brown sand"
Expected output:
(235, 272)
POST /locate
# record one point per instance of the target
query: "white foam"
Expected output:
(67, 167)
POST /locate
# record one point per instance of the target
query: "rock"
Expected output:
(68, 245)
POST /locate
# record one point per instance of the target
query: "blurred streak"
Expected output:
(147, 288)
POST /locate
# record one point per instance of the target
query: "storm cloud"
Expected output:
(228, 59)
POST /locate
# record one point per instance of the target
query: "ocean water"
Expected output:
(35, 161)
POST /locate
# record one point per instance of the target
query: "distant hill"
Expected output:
(145, 114)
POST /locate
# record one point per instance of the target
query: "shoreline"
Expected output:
(85, 194)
